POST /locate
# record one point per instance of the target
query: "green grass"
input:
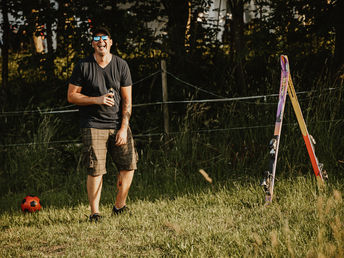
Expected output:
(212, 220)
(174, 210)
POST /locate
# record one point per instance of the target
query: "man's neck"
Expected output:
(103, 60)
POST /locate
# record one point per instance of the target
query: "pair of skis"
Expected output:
(286, 85)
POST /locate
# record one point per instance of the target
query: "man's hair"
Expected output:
(102, 30)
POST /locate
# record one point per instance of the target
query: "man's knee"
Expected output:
(125, 177)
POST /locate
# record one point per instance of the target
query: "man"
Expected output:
(102, 88)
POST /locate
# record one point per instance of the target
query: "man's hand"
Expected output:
(121, 137)
(75, 96)
(106, 99)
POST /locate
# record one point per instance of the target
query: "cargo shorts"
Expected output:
(98, 142)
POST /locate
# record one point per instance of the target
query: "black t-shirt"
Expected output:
(96, 81)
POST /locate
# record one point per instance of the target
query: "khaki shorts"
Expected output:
(98, 142)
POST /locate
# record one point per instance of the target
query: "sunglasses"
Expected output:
(97, 38)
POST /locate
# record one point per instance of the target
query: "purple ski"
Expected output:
(269, 175)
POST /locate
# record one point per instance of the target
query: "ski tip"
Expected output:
(284, 61)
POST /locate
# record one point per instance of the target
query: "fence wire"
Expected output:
(217, 130)
(66, 109)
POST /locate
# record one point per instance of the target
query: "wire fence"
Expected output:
(64, 109)
(219, 99)
(160, 135)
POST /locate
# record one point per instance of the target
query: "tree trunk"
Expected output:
(61, 22)
(188, 27)
(177, 12)
(38, 42)
(37, 39)
(49, 37)
(339, 29)
(49, 34)
(236, 7)
(5, 46)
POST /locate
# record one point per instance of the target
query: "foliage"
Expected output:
(144, 32)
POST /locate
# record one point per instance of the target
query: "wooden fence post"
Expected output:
(165, 97)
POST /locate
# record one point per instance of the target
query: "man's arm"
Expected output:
(126, 106)
(75, 96)
(121, 137)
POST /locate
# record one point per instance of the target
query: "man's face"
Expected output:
(101, 44)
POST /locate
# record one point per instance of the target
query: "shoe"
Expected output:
(95, 217)
(116, 211)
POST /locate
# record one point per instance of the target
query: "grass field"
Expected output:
(174, 210)
(223, 219)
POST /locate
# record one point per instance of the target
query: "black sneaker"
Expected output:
(95, 217)
(116, 211)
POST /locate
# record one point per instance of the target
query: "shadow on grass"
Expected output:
(149, 185)
(146, 186)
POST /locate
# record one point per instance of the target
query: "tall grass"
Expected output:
(225, 139)
(32, 163)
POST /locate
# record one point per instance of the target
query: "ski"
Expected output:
(309, 140)
(269, 175)
(286, 85)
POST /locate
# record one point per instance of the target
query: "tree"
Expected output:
(177, 13)
(236, 33)
(5, 44)
(48, 18)
(336, 13)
